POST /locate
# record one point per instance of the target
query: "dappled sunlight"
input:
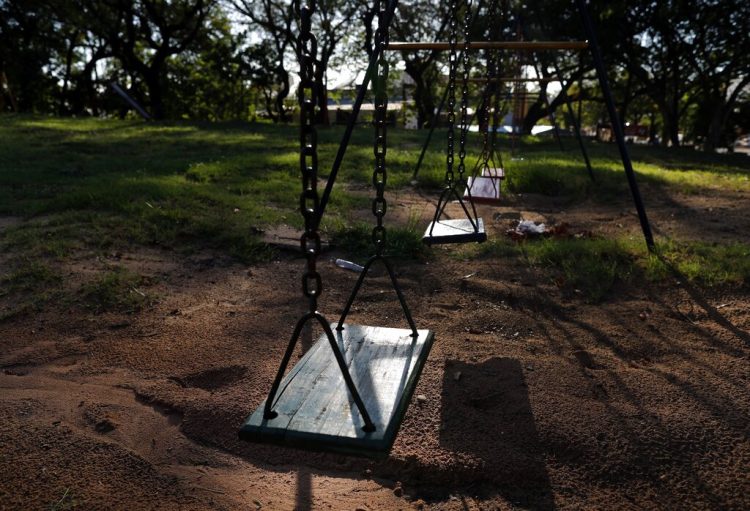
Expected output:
(686, 180)
(168, 184)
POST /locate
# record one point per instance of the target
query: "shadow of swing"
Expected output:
(487, 414)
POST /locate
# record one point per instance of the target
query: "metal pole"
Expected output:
(492, 45)
(569, 105)
(130, 101)
(616, 127)
(576, 126)
(353, 119)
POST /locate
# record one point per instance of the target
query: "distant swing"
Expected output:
(471, 227)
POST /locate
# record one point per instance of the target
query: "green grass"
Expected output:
(592, 266)
(403, 242)
(545, 170)
(116, 290)
(27, 286)
(708, 264)
(589, 267)
(92, 186)
(67, 501)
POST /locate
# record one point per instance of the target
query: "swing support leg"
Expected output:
(616, 126)
(396, 287)
(268, 412)
(444, 197)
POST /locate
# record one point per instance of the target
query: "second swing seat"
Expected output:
(485, 189)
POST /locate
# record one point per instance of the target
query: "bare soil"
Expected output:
(535, 399)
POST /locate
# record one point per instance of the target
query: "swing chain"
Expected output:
(309, 199)
(452, 60)
(501, 89)
(380, 90)
(464, 93)
(489, 88)
(487, 100)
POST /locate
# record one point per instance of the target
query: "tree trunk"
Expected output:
(721, 114)
(270, 105)
(425, 103)
(61, 108)
(652, 128)
(321, 92)
(715, 129)
(155, 94)
(537, 111)
(283, 75)
(670, 126)
(423, 96)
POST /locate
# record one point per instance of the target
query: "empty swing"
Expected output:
(470, 228)
(483, 186)
(355, 405)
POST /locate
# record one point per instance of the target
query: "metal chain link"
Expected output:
(309, 200)
(380, 90)
(490, 86)
(464, 93)
(499, 90)
(452, 61)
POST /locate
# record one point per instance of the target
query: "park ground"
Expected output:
(149, 285)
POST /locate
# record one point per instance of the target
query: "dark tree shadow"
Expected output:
(698, 297)
(487, 414)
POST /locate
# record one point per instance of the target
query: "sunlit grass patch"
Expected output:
(498, 247)
(611, 178)
(592, 266)
(705, 263)
(548, 175)
(403, 242)
(589, 266)
(210, 172)
(91, 185)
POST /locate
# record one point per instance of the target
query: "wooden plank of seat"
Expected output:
(494, 172)
(484, 190)
(315, 409)
(454, 231)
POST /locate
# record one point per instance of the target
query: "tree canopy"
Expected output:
(681, 67)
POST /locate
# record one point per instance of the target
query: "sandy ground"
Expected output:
(534, 398)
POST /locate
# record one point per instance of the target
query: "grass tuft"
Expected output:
(117, 290)
(590, 267)
(704, 263)
(401, 242)
(27, 287)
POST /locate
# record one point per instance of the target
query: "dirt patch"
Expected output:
(7, 222)
(531, 398)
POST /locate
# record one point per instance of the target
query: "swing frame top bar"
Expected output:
(502, 79)
(492, 45)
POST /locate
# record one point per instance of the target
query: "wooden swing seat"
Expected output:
(485, 189)
(315, 409)
(454, 231)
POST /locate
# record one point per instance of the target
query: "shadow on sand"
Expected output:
(487, 415)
